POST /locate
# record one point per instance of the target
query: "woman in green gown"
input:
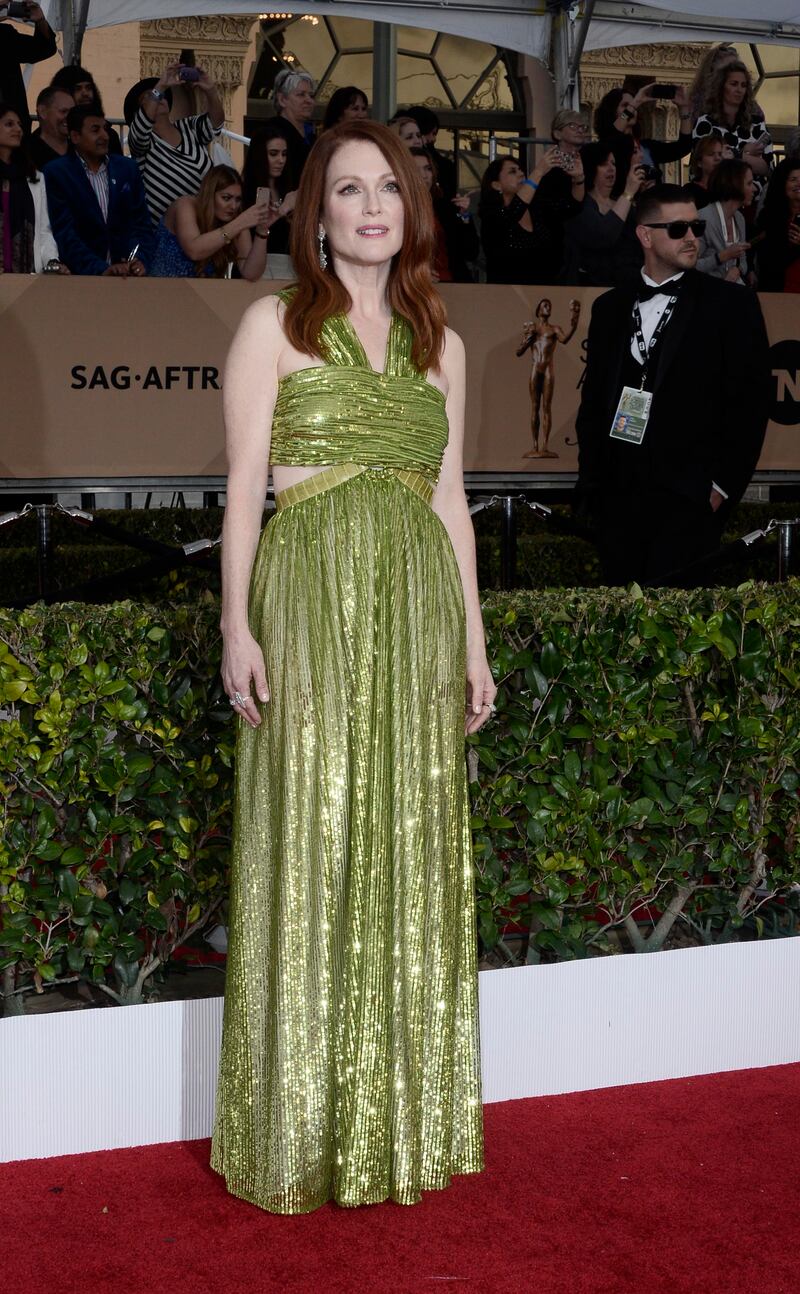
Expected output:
(354, 657)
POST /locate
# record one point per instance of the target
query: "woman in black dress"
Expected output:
(602, 249)
(508, 232)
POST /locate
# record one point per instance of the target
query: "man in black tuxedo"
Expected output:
(674, 407)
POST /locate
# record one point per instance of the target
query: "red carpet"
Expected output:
(689, 1186)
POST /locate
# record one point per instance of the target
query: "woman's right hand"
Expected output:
(548, 160)
(636, 176)
(261, 213)
(169, 77)
(626, 113)
(243, 671)
(734, 252)
(643, 95)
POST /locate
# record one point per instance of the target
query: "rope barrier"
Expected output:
(736, 550)
(197, 551)
(163, 556)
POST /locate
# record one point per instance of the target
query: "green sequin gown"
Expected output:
(350, 1057)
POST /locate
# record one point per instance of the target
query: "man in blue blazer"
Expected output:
(97, 203)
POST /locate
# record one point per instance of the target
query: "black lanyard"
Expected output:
(646, 352)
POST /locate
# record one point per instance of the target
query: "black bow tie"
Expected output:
(646, 293)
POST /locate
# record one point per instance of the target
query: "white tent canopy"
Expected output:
(525, 26)
(522, 25)
(511, 24)
(616, 23)
(519, 25)
(771, 11)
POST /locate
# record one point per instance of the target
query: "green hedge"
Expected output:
(545, 558)
(639, 779)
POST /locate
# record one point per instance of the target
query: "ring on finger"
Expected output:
(238, 699)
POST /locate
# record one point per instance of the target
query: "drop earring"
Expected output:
(323, 260)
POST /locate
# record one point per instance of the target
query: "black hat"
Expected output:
(135, 93)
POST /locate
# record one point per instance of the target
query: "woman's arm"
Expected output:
(450, 504)
(140, 131)
(250, 389)
(149, 105)
(670, 150)
(251, 254)
(198, 246)
(673, 150)
(758, 155)
(45, 247)
(214, 105)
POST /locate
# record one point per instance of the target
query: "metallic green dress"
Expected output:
(350, 1061)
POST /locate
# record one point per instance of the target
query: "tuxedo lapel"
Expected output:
(621, 328)
(675, 332)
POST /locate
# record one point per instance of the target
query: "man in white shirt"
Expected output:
(674, 405)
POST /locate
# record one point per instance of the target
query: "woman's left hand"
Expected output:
(681, 99)
(481, 691)
(461, 203)
(204, 80)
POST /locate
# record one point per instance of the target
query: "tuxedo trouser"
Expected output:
(649, 535)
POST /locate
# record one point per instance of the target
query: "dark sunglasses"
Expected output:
(679, 228)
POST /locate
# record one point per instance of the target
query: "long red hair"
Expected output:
(410, 289)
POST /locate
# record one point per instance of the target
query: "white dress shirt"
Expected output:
(651, 312)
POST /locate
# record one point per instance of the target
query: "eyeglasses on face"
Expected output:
(679, 228)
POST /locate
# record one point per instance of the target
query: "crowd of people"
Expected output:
(74, 203)
(573, 220)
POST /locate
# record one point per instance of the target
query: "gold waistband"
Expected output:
(331, 476)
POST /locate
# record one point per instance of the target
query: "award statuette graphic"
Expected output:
(543, 337)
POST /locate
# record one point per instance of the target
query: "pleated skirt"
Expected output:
(350, 1055)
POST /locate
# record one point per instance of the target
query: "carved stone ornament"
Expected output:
(605, 69)
(220, 43)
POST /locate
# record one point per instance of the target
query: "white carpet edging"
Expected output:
(101, 1079)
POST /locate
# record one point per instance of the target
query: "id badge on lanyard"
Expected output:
(633, 410)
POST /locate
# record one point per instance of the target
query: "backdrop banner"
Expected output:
(122, 378)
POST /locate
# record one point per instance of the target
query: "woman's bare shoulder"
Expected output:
(453, 355)
(453, 344)
(265, 317)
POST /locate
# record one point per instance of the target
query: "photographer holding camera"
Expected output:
(16, 48)
(173, 156)
(617, 126)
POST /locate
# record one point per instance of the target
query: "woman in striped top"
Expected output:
(173, 156)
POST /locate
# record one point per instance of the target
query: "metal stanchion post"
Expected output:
(44, 547)
(784, 529)
(508, 543)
